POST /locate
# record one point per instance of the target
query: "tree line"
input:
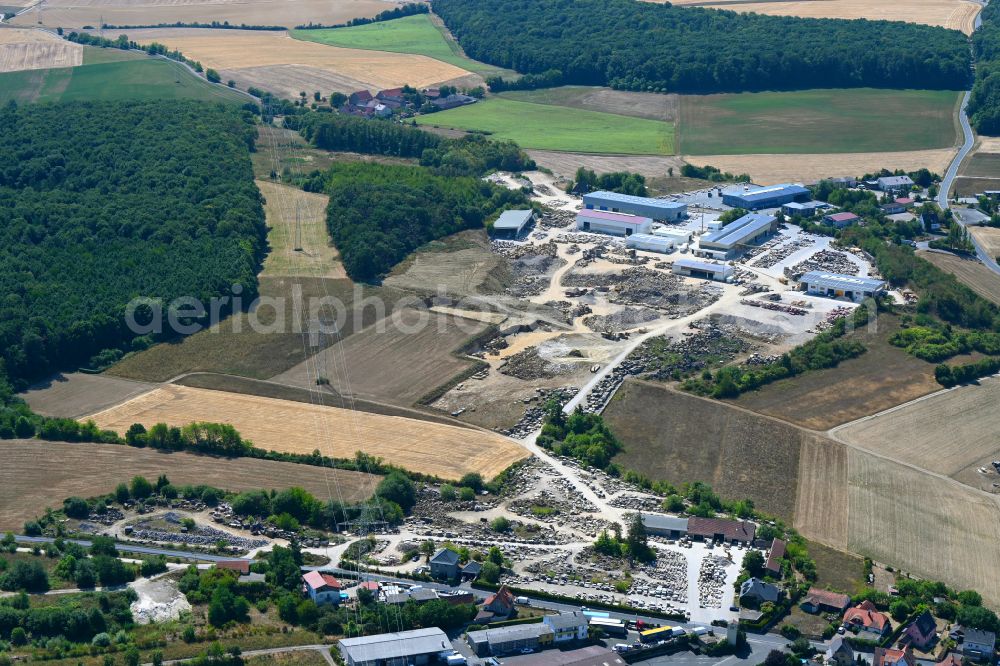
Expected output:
(659, 47)
(378, 214)
(409, 9)
(104, 202)
(984, 103)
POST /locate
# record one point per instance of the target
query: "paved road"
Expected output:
(970, 139)
(141, 550)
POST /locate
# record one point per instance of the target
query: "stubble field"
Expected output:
(77, 394)
(989, 238)
(34, 49)
(970, 272)
(288, 13)
(954, 14)
(273, 61)
(85, 470)
(295, 427)
(652, 106)
(300, 243)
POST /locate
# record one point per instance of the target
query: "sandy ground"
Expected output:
(300, 243)
(295, 427)
(253, 54)
(159, 600)
(288, 13)
(35, 49)
(955, 14)
(772, 169)
(76, 394)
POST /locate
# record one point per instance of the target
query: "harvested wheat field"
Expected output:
(954, 14)
(296, 427)
(77, 394)
(821, 502)
(942, 433)
(288, 13)
(251, 54)
(397, 360)
(989, 238)
(36, 49)
(565, 164)
(970, 272)
(927, 525)
(773, 169)
(300, 243)
(38, 474)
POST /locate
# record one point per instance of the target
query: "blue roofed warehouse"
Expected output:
(757, 198)
(654, 209)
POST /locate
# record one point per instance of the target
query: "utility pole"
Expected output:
(298, 227)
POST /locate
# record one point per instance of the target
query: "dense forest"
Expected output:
(984, 103)
(103, 202)
(471, 155)
(642, 46)
(379, 214)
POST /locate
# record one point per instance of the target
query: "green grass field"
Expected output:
(817, 121)
(410, 34)
(128, 79)
(549, 127)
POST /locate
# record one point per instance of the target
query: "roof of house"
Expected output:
(571, 620)
(387, 647)
(951, 660)
(827, 598)
(512, 219)
(775, 556)
(979, 636)
(362, 95)
(656, 521)
(765, 193)
(839, 644)
(503, 596)
(906, 201)
(838, 281)
(892, 181)
(239, 566)
(472, 567)
(866, 615)
(317, 580)
(623, 218)
(755, 587)
(369, 585)
(632, 199)
(924, 626)
(445, 556)
(732, 530)
(391, 92)
(737, 230)
(842, 217)
(893, 657)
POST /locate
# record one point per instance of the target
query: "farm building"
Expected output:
(733, 238)
(679, 235)
(703, 270)
(418, 646)
(765, 197)
(722, 529)
(671, 527)
(656, 209)
(650, 243)
(512, 223)
(806, 209)
(817, 600)
(508, 640)
(895, 184)
(841, 220)
(615, 224)
(833, 285)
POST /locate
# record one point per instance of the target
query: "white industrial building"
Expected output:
(704, 270)
(615, 224)
(834, 285)
(615, 202)
(733, 239)
(419, 646)
(651, 243)
(679, 234)
(512, 223)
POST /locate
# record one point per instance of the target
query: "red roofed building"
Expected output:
(359, 98)
(321, 587)
(817, 600)
(392, 95)
(921, 633)
(241, 567)
(866, 618)
(890, 657)
(721, 529)
(774, 557)
(498, 605)
(841, 220)
(952, 659)
(906, 201)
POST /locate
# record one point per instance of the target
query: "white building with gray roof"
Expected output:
(419, 646)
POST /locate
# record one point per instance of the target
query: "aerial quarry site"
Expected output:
(499, 332)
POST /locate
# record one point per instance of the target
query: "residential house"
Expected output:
(841, 220)
(321, 587)
(922, 632)
(840, 652)
(240, 567)
(774, 557)
(892, 208)
(866, 619)
(754, 592)
(952, 659)
(359, 98)
(906, 202)
(567, 626)
(444, 564)
(895, 184)
(979, 645)
(391, 95)
(817, 601)
(892, 657)
(499, 605)
(510, 640)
